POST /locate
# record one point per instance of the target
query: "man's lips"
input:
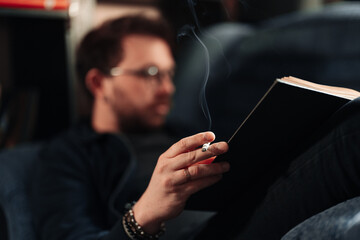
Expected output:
(162, 107)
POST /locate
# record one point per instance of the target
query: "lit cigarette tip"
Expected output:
(205, 147)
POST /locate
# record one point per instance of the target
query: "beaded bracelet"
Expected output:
(134, 230)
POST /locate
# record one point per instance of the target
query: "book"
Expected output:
(286, 121)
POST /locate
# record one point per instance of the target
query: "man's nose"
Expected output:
(166, 84)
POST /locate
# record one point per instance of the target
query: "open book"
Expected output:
(286, 121)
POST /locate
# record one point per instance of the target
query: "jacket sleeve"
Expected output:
(71, 192)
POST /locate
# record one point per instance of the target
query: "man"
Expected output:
(81, 179)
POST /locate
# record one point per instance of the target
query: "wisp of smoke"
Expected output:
(190, 31)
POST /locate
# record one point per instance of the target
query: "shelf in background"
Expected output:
(35, 13)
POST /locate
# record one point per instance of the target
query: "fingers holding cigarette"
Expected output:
(186, 152)
(198, 156)
(190, 143)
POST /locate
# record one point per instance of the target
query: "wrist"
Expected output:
(146, 220)
(136, 230)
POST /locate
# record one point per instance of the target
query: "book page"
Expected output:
(336, 91)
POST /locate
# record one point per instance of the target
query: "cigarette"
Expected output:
(205, 147)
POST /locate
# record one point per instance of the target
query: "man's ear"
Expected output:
(94, 82)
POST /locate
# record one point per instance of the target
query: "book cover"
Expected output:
(282, 125)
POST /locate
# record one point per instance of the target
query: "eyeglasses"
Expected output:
(151, 73)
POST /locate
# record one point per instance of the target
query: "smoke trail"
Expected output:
(203, 102)
(191, 5)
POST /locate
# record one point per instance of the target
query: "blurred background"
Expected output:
(39, 95)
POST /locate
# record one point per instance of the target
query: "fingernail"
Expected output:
(209, 137)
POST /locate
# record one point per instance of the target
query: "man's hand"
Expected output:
(177, 175)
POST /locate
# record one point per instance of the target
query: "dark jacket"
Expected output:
(79, 186)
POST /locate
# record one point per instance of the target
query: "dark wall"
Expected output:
(35, 103)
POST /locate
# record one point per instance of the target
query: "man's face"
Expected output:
(137, 98)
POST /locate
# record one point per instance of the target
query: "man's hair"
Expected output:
(102, 49)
